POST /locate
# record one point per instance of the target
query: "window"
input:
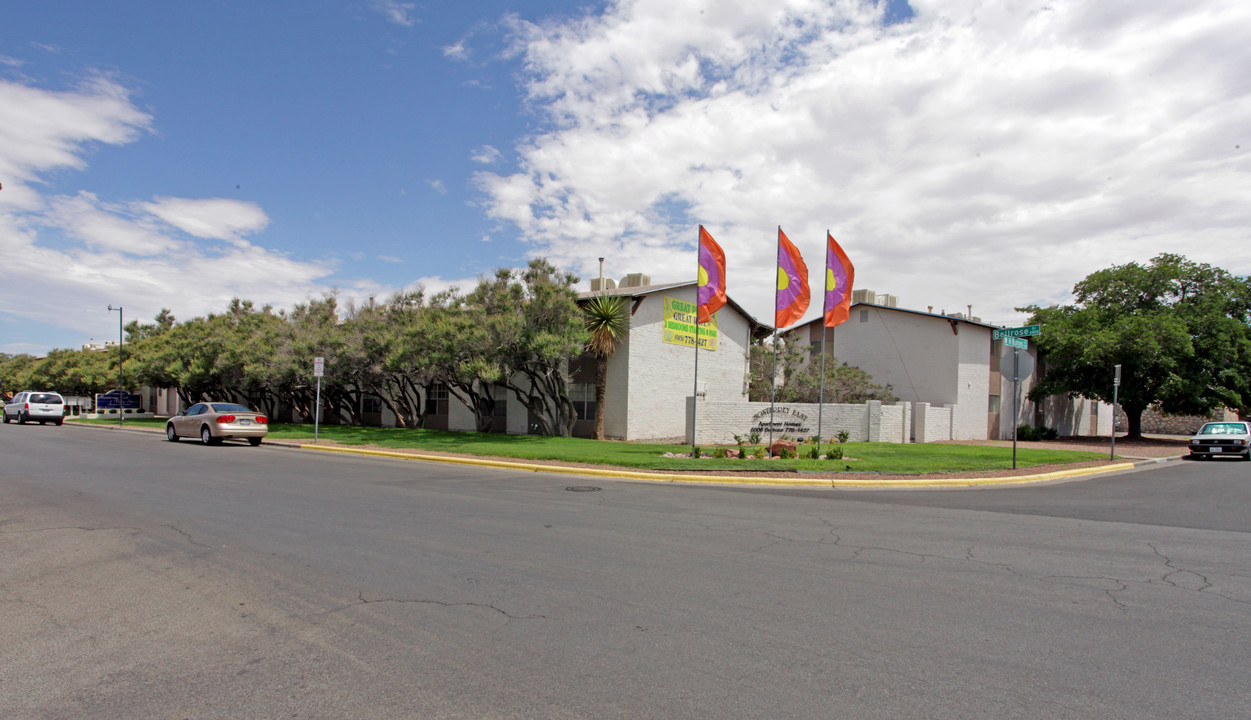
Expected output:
(372, 405)
(582, 395)
(994, 404)
(501, 401)
(436, 399)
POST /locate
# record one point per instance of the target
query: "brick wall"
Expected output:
(1155, 422)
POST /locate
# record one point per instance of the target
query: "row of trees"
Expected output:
(515, 330)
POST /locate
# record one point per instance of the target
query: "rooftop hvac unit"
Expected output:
(864, 296)
(609, 284)
(635, 280)
(887, 300)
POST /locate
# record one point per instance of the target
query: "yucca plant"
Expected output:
(608, 322)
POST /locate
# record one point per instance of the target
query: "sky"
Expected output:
(177, 155)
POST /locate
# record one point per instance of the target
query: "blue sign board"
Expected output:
(115, 399)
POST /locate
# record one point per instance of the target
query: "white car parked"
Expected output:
(42, 407)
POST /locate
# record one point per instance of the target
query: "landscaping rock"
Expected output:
(776, 448)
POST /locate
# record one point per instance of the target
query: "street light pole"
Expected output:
(121, 410)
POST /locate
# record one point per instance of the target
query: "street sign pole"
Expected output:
(319, 365)
(1016, 384)
(1116, 387)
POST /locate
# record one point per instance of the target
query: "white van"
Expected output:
(43, 407)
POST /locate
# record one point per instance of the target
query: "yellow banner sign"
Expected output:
(679, 325)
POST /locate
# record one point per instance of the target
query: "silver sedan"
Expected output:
(213, 422)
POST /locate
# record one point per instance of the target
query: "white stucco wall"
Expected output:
(971, 415)
(718, 422)
(660, 376)
(917, 355)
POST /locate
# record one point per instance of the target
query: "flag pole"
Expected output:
(695, 390)
(825, 308)
(821, 396)
(773, 375)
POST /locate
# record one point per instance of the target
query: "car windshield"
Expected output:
(229, 407)
(46, 398)
(1224, 429)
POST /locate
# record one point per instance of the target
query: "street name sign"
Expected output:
(1021, 343)
(1017, 332)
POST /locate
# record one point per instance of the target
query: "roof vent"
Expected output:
(635, 280)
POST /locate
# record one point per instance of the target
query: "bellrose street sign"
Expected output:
(1017, 332)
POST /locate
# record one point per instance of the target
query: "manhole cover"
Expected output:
(582, 488)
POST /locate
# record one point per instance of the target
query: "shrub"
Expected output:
(843, 436)
(753, 437)
(815, 452)
(695, 452)
(786, 453)
(835, 453)
(719, 453)
(1033, 434)
(762, 452)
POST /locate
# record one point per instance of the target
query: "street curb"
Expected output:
(732, 480)
(833, 483)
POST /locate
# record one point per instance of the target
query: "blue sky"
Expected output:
(157, 154)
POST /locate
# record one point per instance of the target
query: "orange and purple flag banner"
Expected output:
(710, 295)
(840, 275)
(793, 294)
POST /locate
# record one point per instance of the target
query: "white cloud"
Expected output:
(456, 51)
(395, 12)
(982, 153)
(210, 218)
(42, 131)
(74, 254)
(438, 186)
(486, 155)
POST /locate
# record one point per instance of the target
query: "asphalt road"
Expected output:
(143, 579)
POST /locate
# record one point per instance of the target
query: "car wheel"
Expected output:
(206, 436)
(170, 433)
(6, 418)
(254, 441)
(21, 418)
(59, 423)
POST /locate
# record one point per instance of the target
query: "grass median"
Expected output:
(886, 458)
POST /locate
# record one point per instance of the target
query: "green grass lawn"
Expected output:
(870, 457)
